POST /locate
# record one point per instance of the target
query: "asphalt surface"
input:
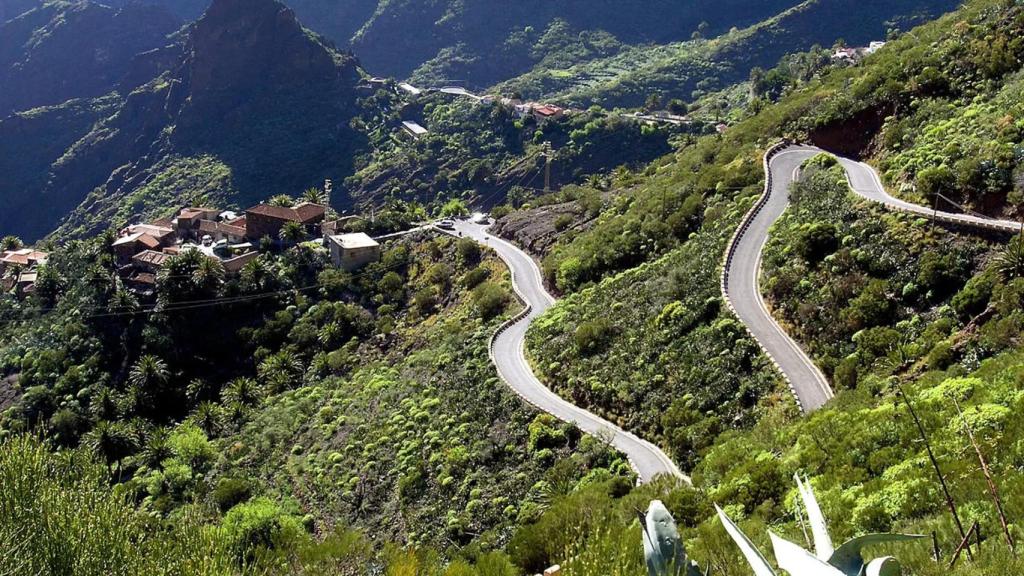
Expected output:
(508, 354)
(743, 289)
(806, 380)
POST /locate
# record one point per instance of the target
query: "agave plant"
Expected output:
(663, 549)
(847, 560)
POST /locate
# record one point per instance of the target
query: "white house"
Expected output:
(353, 251)
(414, 129)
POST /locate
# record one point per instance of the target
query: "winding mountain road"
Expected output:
(508, 354)
(741, 271)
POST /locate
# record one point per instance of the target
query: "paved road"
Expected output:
(508, 355)
(743, 291)
(742, 288)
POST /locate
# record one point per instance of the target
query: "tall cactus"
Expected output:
(663, 548)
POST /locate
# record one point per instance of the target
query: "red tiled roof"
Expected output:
(548, 110)
(151, 257)
(308, 211)
(23, 257)
(148, 241)
(303, 213)
(219, 227)
(154, 230)
(193, 211)
(143, 278)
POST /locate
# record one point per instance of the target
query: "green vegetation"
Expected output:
(311, 399)
(868, 290)
(483, 154)
(655, 350)
(687, 70)
(317, 402)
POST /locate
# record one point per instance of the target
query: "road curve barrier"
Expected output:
(519, 317)
(730, 254)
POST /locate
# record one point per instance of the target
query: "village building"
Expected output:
(25, 283)
(265, 220)
(548, 112)
(353, 251)
(132, 243)
(150, 261)
(186, 224)
(233, 232)
(414, 129)
(19, 270)
(141, 283)
(24, 258)
(410, 89)
(522, 110)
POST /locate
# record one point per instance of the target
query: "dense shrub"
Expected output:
(489, 300)
(592, 336)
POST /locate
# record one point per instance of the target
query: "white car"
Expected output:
(446, 224)
(480, 218)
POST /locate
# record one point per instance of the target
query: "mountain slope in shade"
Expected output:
(252, 105)
(676, 70)
(66, 50)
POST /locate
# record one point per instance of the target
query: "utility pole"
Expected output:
(547, 167)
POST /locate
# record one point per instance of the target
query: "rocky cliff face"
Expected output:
(247, 104)
(79, 49)
(245, 45)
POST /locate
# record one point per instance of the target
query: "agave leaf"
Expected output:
(823, 546)
(750, 552)
(887, 566)
(850, 556)
(663, 548)
(800, 562)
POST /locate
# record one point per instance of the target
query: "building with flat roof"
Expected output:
(414, 129)
(353, 251)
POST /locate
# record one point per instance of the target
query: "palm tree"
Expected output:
(104, 406)
(330, 334)
(157, 448)
(257, 276)
(113, 441)
(149, 372)
(11, 243)
(280, 371)
(175, 282)
(281, 200)
(208, 276)
(148, 378)
(315, 195)
(242, 392)
(208, 418)
(292, 233)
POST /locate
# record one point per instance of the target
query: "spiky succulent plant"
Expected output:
(847, 560)
(663, 548)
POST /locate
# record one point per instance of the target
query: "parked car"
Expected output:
(480, 218)
(446, 224)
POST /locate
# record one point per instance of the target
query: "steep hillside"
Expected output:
(891, 307)
(685, 70)
(79, 49)
(248, 103)
(484, 42)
